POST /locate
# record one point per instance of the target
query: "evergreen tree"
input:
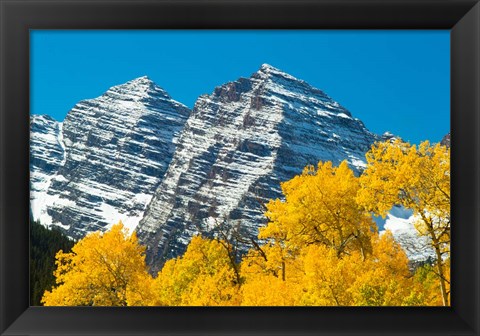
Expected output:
(44, 244)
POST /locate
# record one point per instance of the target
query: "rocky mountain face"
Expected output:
(109, 155)
(446, 140)
(238, 144)
(136, 155)
(46, 157)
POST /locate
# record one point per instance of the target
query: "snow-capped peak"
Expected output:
(42, 118)
(140, 89)
(237, 146)
(142, 79)
(139, 83)
(267, 71)
(268, 67)
(106, 159)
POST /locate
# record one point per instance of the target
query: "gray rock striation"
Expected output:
(238, 145)
(117, 148)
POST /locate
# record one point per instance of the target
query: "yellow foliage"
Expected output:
(381, 279)
(320, 207)
(320, 246)
(270, 277)
(384, 279)
(203, 276)
(419, 179)
(425, 288)
(268, 290)
(324, 248)
(327, 277)
(400, 173)
(317, 276)
(101, 270)
(143, 294)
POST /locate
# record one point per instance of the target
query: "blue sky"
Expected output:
(397, 81)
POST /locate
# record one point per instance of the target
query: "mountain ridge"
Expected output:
(116, 148)
(137, 155)
(238, 144)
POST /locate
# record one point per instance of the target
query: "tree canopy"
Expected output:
(103, 269)
(320, 246)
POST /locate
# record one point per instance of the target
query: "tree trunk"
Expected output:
(436, 246)
(443, 287)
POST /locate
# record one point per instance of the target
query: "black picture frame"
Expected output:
(17, 17)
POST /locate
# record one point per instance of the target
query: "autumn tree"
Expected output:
(271, 276)
(103, 269)
(320, 207)
(384, 279)
(381, 279)
(317, 276)
(417, 177)
(424, 290)
(319, 247)
(322, 248)
(203, 276)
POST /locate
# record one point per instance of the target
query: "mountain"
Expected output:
(238, 144)
(47, 154)
(135, 154)
(446, 140)
(110, 154)
(401, 222)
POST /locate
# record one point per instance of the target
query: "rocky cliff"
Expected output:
(116, 149)
(238, 145)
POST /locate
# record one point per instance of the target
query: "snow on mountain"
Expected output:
(136, 155)
(401, 222)
(387, 136)
(238, 144)
(117, 148)
(47, 154)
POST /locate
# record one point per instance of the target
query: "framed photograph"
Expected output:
(239, 168)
